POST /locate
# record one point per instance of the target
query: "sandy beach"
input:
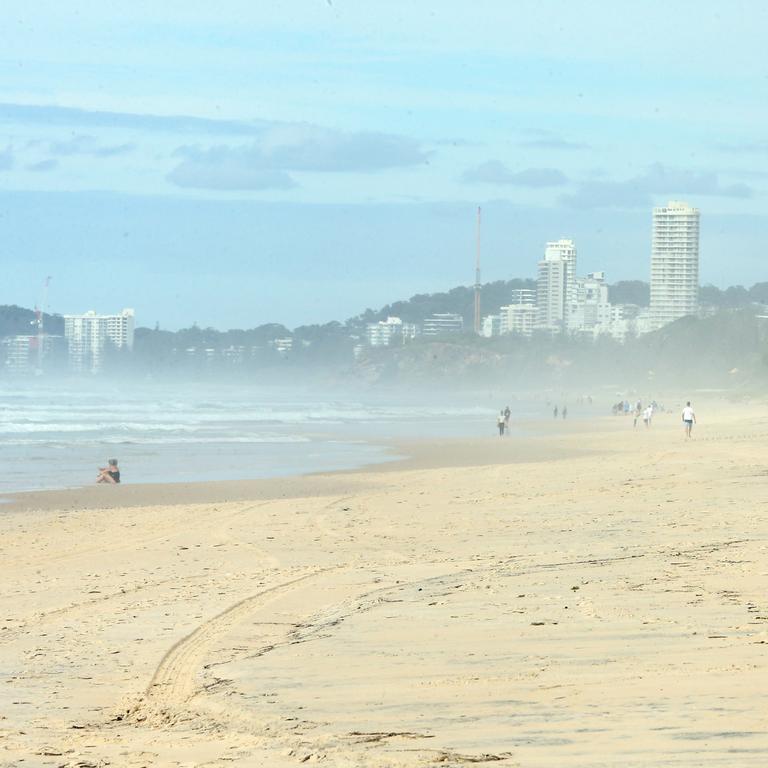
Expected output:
(594, 596)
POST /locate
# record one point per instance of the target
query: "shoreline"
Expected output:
(406, 455)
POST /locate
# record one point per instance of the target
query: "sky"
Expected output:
(239, 163)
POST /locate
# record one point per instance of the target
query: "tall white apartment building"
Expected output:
(88, 335)
(556, 285)
(674, 263)
(565, 251)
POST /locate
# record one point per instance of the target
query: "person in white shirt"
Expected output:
(648, 415)
(689, 419)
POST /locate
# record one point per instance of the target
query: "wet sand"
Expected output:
(595, 596)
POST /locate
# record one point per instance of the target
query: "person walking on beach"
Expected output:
(500, 423)
(554, 413)
(565, 411)
(647, 416)
(507, 415)
(689, 419)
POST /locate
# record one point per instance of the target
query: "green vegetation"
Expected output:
(460, 301)
(630, 292)
(17, 321)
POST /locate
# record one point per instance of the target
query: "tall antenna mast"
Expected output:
(477, 277)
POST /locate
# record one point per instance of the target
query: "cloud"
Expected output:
(552, 144)
(608, 194)
(112, 150)
(88, 145)
(43, 166)
(547, 140)
(746, 148)
(6, 159)
(495, 172)
(309, 148)
(744, 173)
(277, 148)
(227, 175)
(69, 116)
(291, 148)
(637, 192)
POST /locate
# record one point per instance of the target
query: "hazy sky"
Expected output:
(236, 163)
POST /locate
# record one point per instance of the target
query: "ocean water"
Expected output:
(57, 436)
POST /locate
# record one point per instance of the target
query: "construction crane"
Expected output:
(477, 277)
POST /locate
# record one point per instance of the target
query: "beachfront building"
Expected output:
(518, 319)
(90, 335)
(442, 323)
(26, 354)
(524, 296)
(281, 346)
(388, 332)
(674, 263)
(551, 301)
(18, 355)
(590, 308)
(234, 354)
(556, 285)
(491, 326)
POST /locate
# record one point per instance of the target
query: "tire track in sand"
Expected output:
(174, 682)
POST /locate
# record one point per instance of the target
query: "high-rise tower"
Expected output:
(556, 285)
(674, 263)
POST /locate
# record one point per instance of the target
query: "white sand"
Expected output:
(606, 608)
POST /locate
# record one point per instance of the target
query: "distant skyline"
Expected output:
(299, 162)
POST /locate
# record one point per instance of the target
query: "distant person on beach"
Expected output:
(109, 474)
(648, 416)
(689, 419)
(507, 416)
(638, 411)
(554, 413)
(501, 423)
(565, 411)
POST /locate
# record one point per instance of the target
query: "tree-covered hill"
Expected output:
(459, 300)
(18, 321)
(728, 349)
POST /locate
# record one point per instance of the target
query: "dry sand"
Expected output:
(593, 597)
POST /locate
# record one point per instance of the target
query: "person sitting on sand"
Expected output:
(110, 473)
